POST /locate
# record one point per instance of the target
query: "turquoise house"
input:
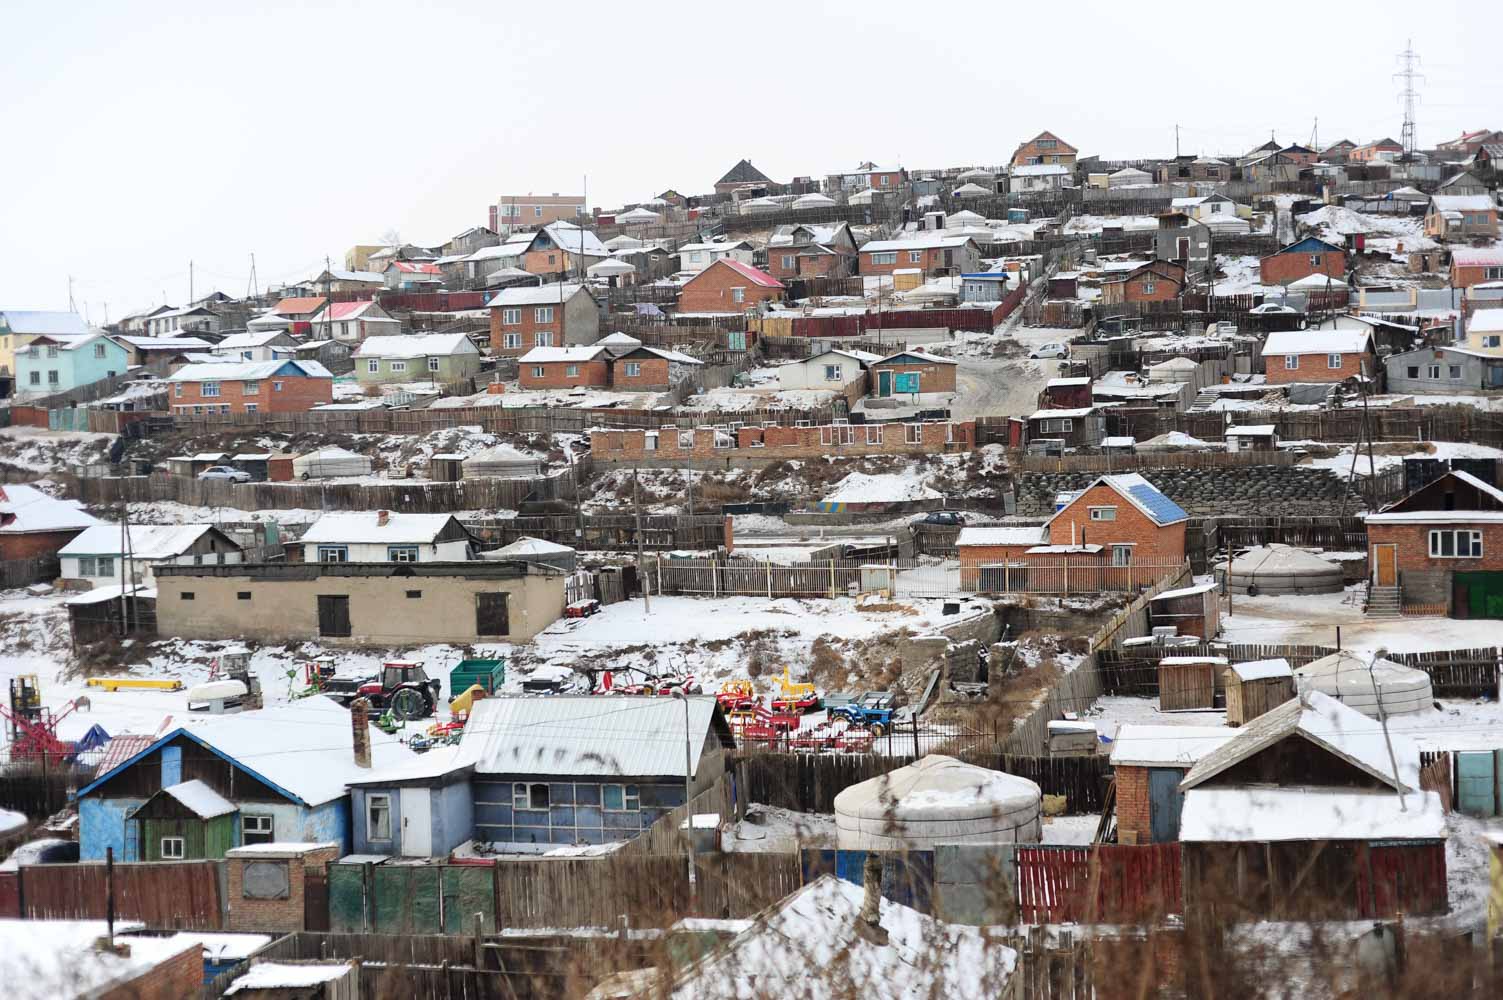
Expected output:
(59, 362)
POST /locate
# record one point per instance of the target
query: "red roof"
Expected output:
(752, 274)
(345, 310)
(295, 306)
(415, 267)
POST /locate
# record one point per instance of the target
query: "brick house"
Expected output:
(561, 249)
(933, 253)
(1127, 516)
(564, 368)
(1471, 266)
(1381, 151)
(1462, 217)
(1155, 281)
(1301, 259)
(804, 251)
(545, 316)
(1045, 148)
(728, 286)
(1291, 356)
(669, 444)
(1468, 143)
(250, 387)
(34, 525)
(742, 174)
(650, 369)
(912, 371)
(1442, 545)
(1149, 762)
(983, 547)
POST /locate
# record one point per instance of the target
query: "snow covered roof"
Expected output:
(1282, 342)
(1253, 430)
(233, 371)
(920, 242)
(541, 295)
(147, 541)
(354, 310)
(1325, 722)
(1166, 746)
(1080, 411)
(1038, 170)
(1263, 670)
(199, 799)
(543, 355)
(528, 546)
(1485, 321)
(916, 355)
(611, 265)
(415, 346)
(638, 215)
(1225, 815)
(1002, 535)
(970, 190)
(47, 959)
(1462, 203)
(1317, 282)
(171, 343)
(587, 737)
(365, 527)
(250, 338)
(301, 749)
(572, 239)
(287, 976)
(43, 322)
(1477, 257)
(25, 509)
(618, 339)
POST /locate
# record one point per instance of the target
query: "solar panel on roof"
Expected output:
(1160, 508)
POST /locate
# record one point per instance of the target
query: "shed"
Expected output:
(253, 464)
(1252, 437)
(1188, 683)
(1148, 763)
(446, 468)
(1254, 688)
(537, 550)
(938, 799)
(279, 468)
(1283, 569)
(1191, 610)
(1071, 738)
(330, 462)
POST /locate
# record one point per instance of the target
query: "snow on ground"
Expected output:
(1076, 830)
(858, 487)
(1335, 223)
(512, 398)
(737, 398)
(770, 829)
(1313, 618)
(45, 451)
(1241, 276)
(1342, 461)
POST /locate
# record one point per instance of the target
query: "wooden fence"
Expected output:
(1133, 621)
(810, 782)
(1135, 671)
(1074, 692)
(1104, 883)
(1459, 673)
(175, 894)
(24, 572)
(616, 532)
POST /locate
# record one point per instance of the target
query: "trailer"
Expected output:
(134, 684)
(489, 674)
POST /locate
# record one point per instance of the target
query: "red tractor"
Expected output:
(405, 688)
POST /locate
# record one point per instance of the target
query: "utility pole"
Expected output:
(1408, 59)
(255, 291)
(71, 307)
(190, 282)
(1176, 140)
(636, 499)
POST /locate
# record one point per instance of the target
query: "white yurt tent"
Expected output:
(502, 462)
(1344, 676)
(814, 200)
(1282, 569)
(977, 176)
(611, 268)
(329, 462)
(622, 242)
(970, 191)
(938, 800)
(639, 217)
(863, 197)
(536, 550)
(964, 217)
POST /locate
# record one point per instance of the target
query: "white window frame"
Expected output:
(521, 796)
(885, 257)
(1315, 260)
(1291, 362)
(258, 826)
(511, 316)
(1432, 371)
(250, 387)
(1333, 362)
(1122, 553)
(788, 261)
(433, 364)
(833, 373)
(1102, 513)
(543, 314)
(542, 338)
(98, 350)
(1472, 538)
(511, 340)
(915, 256)
(398, 366)
(208, 390)
(631, 798)
(179, 851)
(738, 294)
(874, 434)
(633, 369)
(276, 387)
(373, 366)
(538, 371)
(378, 832)
(571, 371)
(913, 433)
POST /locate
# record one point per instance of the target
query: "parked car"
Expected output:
(949, 518)
(1050, 351)
(1270, 307)
(49, 851)
(225, 472)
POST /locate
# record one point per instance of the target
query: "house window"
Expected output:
(52, 377)
(530, 796)
(1453, 543)
(571, 371)
(172, 849)
(208, 389)
(414, 595)
(832, 373)
(1492, 273)
(242, 595)
(1121, 555)
(882, 180)
(542, 339)
(402, 553)
(398, 366)
(1291, 362)
(1059, 425)
(511, 317)
(1333, 362)
(333, 553)
(256, 830)
(51, 351)
(86, 566)
(98, 350)
(1103, 513)
(544, 314)
(633, 369)
(373, 366)
(513, 340)
(1046, 144)
(185, 595)
(433, 364)
(538, 371)
(913, 433)
(537, 211)
(873, 434)
(650, 441)
(620, 798)
(788, 260)
(738, 295)
(251, 407)
(1412, 371)
(1494, 341)
(250, 387)
(276, 387)
(1315, 260)
(1453, 372)
(378, 817)
(1148, 284)
(1432, 371)
(36, 379)
(885, 258)
(915, 256)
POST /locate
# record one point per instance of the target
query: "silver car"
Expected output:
(225, 472)
(1050, 351)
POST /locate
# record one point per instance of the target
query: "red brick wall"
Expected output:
(973, 557)
(180, 976)
(1132, 804)
(543, 261)
(555, 374)
(1316, 368)
(778, 443)
(34, 544)
(528, 328)
(653, 374)
(1054, 154)
(1282, 268)
(298, 394)
(932, 378)
(276, 915)
(710, 291)
(930, 260)
(1413, 541)
(1164, 290)
(1153, 543)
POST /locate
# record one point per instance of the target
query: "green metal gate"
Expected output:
(1477, 595)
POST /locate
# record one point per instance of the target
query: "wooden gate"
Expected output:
(315, 899)
(1109, 883)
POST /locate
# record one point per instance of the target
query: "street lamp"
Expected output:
(1379, 654)
(683, 696)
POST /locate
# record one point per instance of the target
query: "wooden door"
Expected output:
(1386, 565)
(333, 615)
(315, 899)
(491, 617)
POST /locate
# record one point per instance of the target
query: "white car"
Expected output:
(1270, 307)
(226, 473)
(1050, 351)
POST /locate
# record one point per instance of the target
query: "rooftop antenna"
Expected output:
(1408, 59)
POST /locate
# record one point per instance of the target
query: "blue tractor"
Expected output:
(874, 710)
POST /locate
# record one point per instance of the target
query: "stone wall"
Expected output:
(1204, 492)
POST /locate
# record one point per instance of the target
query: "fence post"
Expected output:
(1067, 574)
(769, 580)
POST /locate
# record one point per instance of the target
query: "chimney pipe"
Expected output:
(382, 516)
(361, 730)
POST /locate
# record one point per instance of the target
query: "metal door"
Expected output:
(417, 822)
(884, 383)
(1164, 803)
(1476, 785)
(1386, 565)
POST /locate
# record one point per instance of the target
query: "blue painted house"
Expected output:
(419, 810)
(282, 769)
(587, 770)
(59, 362)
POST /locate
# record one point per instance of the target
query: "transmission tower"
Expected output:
(1408, 60)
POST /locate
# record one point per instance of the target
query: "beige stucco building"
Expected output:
(360, 603)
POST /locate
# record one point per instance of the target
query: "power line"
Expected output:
(1408, 59)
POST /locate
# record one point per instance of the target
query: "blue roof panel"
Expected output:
(1160, 508)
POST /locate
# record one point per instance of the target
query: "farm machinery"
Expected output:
(31, 727)
(796, 697)
(402, 687)
(875, 711)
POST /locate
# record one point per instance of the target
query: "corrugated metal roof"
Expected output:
(588, 736)
(43, 322)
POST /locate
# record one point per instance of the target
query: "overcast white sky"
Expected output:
(138, 136)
